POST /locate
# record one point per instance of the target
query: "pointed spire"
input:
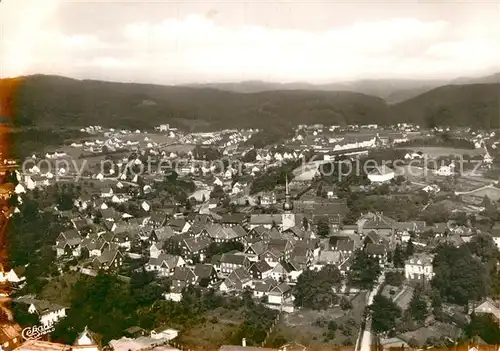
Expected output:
(286, 184)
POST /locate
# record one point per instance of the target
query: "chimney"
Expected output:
(244, 342)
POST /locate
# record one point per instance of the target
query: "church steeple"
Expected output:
(288, 205)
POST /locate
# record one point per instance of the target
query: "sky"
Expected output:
(178, 42)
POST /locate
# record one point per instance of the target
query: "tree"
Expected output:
(417, 307)
(398, 258)
(323, 227)
(459, 277)
(384, 314)
(364, 271)
(345, 304)
(305, 223)
(217, 192)
(410, 249)
(250, 156)
(484, 326)
(315, 290)
(483, 246)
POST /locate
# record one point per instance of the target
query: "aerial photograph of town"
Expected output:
(249, 175)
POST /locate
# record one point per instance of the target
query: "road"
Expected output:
(366, 338)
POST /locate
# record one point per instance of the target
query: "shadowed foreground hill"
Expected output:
(48, 101)
(474, 105)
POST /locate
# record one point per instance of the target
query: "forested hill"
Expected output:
(58, 101)
(474, 105)
(53, 101)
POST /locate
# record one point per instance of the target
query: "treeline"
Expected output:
(440, 140)
(273, 177)
(26, 142)
(270, 136)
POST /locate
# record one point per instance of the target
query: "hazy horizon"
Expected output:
(175, 43)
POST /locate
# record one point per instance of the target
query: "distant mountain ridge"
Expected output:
(391, 90)
(55, 101)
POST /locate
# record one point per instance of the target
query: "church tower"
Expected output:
(287, 217)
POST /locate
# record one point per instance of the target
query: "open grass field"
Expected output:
(58, 290)
(217, 329)
(300, 325)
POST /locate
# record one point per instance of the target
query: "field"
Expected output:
(300, 325)
(217, 329)
(434, 152)
(58, 290)
(178, 148)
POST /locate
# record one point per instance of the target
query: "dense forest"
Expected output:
(45, 101)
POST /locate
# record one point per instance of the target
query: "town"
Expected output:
(354, 237)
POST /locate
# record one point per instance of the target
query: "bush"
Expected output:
(345, 304)
(394, 278)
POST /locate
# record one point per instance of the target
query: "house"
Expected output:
(206, 273)
(87, 341)
(344, 245)
(266, 220)
(107, 192)
(419, 267)
(183, 277)
(277, 250)
(161, 235)
(377, 251)
(280, 272)
(155, 250)
(260, 270)
(16, 275)
(262, 288)
(380, 224)
(179, 225)
(279, 294)
(10, 336)
(69, 248)
(495, 233)
(195, 248)
(445, 171)
(381, 174)
(157, 219)
(268, 199)
(232, 261)
(109, 260)
(48, 312)
(237, 280)
(165, 264)
(231, 220)
(220, 234)
(490, 307)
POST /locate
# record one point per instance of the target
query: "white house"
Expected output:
(445, 171)
(86, 341)
(16, 275)
(48, 313)
(419, 267)
(381, 174)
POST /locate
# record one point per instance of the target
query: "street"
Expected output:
(366, 338)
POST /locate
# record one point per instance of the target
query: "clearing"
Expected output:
(301, 326)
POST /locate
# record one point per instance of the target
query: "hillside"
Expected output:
(53, 101)
(474, 105)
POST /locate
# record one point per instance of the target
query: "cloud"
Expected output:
(199, 48)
